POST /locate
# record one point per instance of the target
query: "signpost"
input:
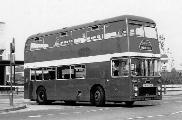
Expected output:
(12, 62)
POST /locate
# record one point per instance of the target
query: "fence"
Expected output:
(6, 89)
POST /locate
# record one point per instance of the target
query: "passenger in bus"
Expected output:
(115, 67)
(124, 68)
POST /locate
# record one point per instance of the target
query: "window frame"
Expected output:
(145, 60)
(70, 71)
(119, 58)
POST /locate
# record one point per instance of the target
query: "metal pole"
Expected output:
(14, 73)
(11, 90)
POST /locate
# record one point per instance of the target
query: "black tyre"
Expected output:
(41, 96)
(129, 103)
(98, 97)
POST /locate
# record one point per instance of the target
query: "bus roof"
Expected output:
(97, 22)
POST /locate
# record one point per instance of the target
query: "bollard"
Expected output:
(17, 90)
(164, 89)
(11, 99)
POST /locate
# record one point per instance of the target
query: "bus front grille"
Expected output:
(146, 91)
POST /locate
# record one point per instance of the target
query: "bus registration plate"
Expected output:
(147, 85)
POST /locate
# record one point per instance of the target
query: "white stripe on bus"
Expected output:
(89, 59)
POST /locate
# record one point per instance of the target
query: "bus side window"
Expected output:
(49, 73)
(32, 77)
(80, 71)
(115, 29)
(115, 67)
(39, 75)
(63, 72)
(120, 67)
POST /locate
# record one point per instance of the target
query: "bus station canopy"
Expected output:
(7, 63)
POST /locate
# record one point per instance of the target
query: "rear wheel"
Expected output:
(98, 96)
(41, 96)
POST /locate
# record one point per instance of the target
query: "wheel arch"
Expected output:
(93, 88)
(40, 86)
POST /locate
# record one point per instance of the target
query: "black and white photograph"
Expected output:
(90, 60)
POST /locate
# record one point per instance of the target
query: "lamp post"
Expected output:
(12, 61)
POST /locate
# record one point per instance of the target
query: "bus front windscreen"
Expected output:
(145, 66)
(139, 29)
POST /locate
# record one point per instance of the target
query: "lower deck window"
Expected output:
(71, 72)
(63, 72)
(38, 74)
(49, 73)
(43, 73)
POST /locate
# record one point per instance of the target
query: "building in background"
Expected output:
(5, 59)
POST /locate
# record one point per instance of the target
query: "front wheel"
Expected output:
(41, 96)
(98, 96)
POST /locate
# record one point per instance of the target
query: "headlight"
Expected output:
(159, 88)
(135, 88)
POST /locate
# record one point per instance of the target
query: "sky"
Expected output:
(26, 17)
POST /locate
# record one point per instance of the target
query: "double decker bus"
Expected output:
(111, 60)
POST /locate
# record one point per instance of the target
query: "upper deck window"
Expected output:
(79, 36)
(141, 29)
(150, 32)
(95, 33)
(63, 34)
(96, 27)
(115, 29)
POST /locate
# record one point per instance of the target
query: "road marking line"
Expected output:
(4, 113)
(139, 117)
(35, 116)
(63, 113)
(50, 114)
(177, 112)
(159, 115)
(93, 110)
(101, 109)
(173, 113)
(150, 116)
(130, 118)
(77, 112)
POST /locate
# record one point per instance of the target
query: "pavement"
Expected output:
(18, 102)
(21, 103)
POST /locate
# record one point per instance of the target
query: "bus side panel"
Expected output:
(63, 90)
(80, 89)
(49, 86)
(113, 45)
(97, 74)
(118, 89)
(73, 89)
(28, 86)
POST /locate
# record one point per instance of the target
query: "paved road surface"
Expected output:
(170, 108)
